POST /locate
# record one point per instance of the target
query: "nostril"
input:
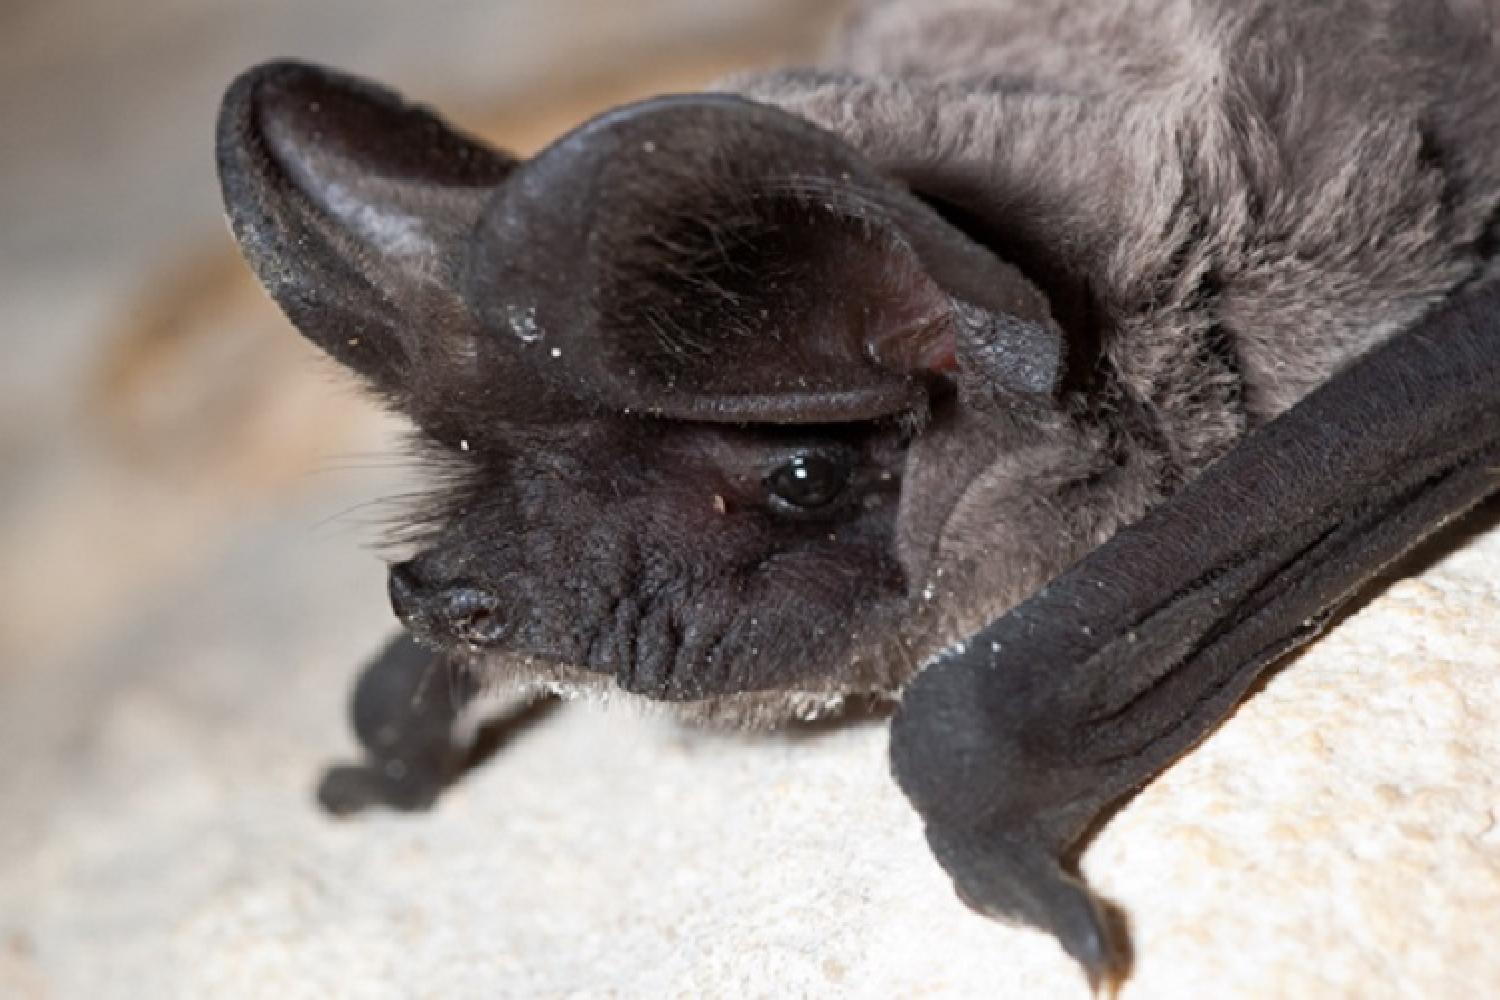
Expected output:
(473, 615)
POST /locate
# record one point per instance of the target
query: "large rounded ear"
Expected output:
(353, 208)
(711, 258)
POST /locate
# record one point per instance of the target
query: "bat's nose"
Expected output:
(472, 615)
(403, 587)
(456, 611)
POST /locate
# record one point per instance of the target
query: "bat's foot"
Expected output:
(346, 789)
(1003, 808)
(1017, 879)
(406, 710)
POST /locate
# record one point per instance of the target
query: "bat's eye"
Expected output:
(808, 481)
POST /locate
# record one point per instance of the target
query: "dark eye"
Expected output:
(809, 481)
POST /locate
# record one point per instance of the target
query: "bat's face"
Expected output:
(681, 558)
(713, 402)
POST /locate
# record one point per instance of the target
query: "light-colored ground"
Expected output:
(187, 589)
(1339, 837)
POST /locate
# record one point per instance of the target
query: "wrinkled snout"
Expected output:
(446, 613)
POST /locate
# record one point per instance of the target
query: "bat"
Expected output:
(1045, 369)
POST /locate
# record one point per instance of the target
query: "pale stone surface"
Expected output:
(1339, 836)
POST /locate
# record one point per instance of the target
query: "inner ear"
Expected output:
(711, 258)
(786, 311)
(352, 207)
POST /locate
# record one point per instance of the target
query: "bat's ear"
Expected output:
(711, 258)
(353, 208)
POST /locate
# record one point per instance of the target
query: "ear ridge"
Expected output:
(629, 242)
(351, 206)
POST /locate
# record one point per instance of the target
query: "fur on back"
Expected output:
(1245, 195)
(1271, 185)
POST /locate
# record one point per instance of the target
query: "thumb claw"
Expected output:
(1013, 877)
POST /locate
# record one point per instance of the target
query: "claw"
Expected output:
(346, 789)
(1015, 878)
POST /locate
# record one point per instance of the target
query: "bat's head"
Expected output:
(709, 391)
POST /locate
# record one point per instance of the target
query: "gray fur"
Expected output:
(1256, 192)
